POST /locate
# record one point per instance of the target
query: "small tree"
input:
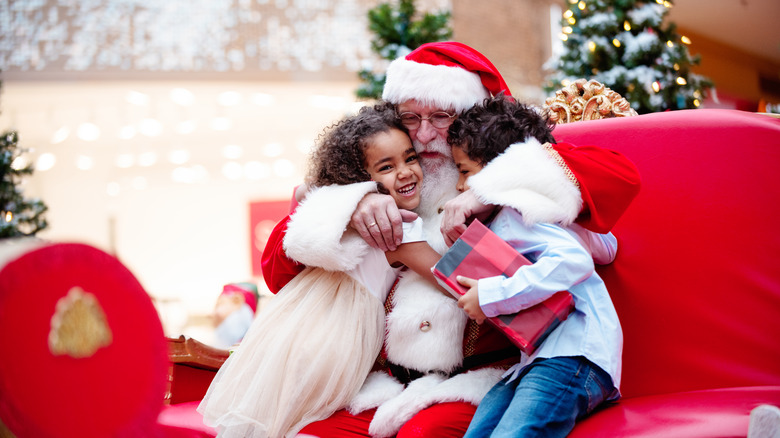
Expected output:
(397, 31)
(18, 216)
(624, 45)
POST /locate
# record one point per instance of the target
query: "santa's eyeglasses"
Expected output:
(438, 119)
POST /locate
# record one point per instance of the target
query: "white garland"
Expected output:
(650, 14)
(638, 44)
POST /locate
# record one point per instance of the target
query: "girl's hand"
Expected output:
(469, 302)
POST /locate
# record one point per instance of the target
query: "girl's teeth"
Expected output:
(405, 190)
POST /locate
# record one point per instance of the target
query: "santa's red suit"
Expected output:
(437, 364)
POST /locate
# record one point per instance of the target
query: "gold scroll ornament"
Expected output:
(587, 100)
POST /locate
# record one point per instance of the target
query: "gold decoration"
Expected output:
(561, 163)
(587, 100)
(79, 326)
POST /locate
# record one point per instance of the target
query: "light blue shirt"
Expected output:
(560, 262)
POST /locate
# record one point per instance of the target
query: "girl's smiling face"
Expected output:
(392, 161)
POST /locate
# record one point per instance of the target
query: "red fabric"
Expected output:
(696, 281)
(454, 54)
(609, 182)
(708, 413)
(185, 416)
(441, 421)
(278, 269)
(118, 390)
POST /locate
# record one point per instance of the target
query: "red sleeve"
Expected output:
(278, 269)
(608, 183)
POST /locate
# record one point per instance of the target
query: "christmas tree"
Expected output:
(18, 216)
(398, 31)
(625, 45)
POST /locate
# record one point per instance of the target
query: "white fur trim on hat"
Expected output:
(525, 177)
(447, 88)
(316, 233)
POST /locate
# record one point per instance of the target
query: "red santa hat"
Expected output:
(248, 290)
(448, 75)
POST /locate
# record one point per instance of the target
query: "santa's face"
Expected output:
(429, 141)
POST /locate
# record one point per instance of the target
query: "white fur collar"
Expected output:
(526, 178)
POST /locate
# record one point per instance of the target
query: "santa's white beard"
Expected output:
(440, 176)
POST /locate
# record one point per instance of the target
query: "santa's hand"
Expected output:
(379, 222)
(457, 211)
(469, 302)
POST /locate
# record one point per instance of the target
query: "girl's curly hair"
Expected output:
(487, 130)
(339, 156)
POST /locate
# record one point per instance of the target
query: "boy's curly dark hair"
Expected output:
(488, 129)
(339, 156)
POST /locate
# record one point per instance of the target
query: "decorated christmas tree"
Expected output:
(18, 216)
(397, 31)
(625, 45)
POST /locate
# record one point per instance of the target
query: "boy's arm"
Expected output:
(559, 262)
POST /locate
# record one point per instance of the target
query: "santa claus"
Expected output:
(437, 364)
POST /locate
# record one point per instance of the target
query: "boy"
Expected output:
(577, 368)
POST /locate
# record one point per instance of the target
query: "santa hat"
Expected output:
(448, 75)
(248, 290)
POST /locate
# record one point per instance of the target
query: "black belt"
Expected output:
(406, 375)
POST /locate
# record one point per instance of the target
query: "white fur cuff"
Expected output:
(317, 234)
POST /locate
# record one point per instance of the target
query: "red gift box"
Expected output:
(480, 253)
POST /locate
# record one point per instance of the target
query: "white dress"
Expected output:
(307, 353)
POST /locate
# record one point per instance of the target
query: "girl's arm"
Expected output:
(420, 258)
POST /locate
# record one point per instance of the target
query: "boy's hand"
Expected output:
(469, 302)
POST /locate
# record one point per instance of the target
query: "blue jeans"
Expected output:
(548, 397)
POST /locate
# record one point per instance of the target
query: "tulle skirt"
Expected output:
(305, 356)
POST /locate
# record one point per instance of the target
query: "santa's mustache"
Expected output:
(437, 145)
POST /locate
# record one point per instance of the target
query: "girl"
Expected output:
(310, 349)
(577, 367)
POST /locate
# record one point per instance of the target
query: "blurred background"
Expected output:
(172, 134)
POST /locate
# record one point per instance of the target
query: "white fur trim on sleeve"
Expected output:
(378, 388)
(317, 234)
(525, 177)
(426, 391)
